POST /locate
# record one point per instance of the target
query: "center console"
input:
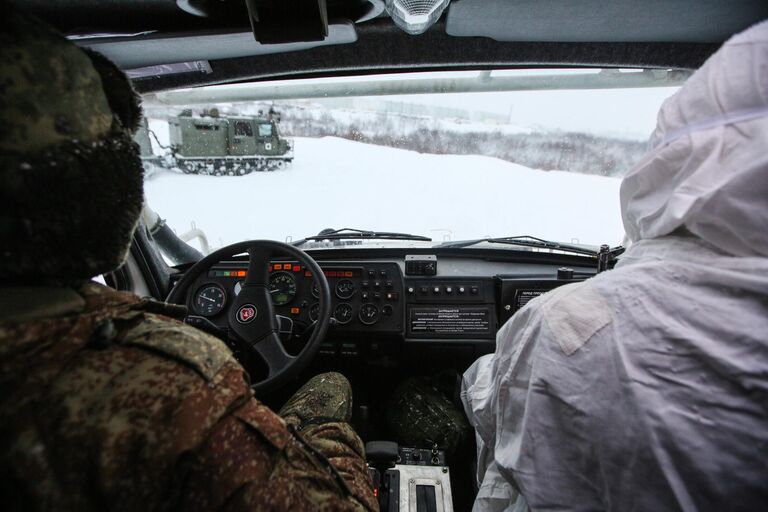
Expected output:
(409, 479)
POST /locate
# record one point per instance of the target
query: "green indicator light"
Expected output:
(225, 274)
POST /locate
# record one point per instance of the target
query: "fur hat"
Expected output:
(71, 180)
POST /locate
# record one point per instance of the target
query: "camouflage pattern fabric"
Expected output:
(420, 414)
(327, 396)
(318, 414)
(51, 92)
(114, 405)
(71, 180)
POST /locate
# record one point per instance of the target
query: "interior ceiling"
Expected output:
(474, 34)
(703, 21)
(692, 21)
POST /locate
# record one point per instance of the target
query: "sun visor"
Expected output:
(138, 51)
(690, 21)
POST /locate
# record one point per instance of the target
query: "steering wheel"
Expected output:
(251, 316)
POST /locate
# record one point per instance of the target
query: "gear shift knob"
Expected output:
(381, 453)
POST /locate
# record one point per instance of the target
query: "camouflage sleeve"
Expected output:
(249, 460)
(236, 470)
(338, 444)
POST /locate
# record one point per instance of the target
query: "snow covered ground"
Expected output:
(335, 183)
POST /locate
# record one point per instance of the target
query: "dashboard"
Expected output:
(409, 298)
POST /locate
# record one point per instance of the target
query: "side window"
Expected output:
(265, 130)
(243, 128)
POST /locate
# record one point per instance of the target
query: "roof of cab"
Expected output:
(361, 38)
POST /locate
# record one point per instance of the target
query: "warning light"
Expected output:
(297, 268)
(307, 274)
(295, 311)
(241, 273)
(278, 266)
(375, 492)
(347, 274)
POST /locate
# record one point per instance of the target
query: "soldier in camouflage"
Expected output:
(107, 401)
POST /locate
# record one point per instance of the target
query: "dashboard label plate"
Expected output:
(447, 320)
(524, 296)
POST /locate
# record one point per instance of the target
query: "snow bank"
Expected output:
(336, 183)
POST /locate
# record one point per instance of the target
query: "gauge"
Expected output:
(315, 290)
(282, 287)
(345, 289)
(343, 313)
(314, 312)
(210, 300)
(369, 314)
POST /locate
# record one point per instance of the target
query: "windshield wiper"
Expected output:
(524, 241)
(359, 234)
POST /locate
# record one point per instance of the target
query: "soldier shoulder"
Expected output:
(202, 352)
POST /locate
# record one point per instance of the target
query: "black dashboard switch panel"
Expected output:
(420, 265)
(421, 456)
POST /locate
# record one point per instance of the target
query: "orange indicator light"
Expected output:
(278, 266)
(241, 273)
(307, 274)
(295, 311)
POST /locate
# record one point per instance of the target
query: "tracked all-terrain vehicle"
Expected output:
(218, 145)
(227, 145)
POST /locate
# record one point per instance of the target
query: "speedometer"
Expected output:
(209, 300)
(282, 288)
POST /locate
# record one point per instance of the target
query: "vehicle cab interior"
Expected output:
(376, 187)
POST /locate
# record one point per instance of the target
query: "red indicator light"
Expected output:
(297, 268)
(375, 492)
(270, 268)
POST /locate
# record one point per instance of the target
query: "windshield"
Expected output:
(448, 166)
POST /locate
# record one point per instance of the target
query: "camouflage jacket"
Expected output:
(107, 403)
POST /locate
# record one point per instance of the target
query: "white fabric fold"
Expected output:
(646, 387)
(708, 169)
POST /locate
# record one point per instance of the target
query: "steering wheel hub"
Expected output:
(247, 313)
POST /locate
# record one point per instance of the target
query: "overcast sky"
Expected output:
(621, 112)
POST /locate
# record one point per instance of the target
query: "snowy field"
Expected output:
(335, 183)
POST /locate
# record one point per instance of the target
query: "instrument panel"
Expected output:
(412, 298)
(364, 296)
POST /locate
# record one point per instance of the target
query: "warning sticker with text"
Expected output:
(448, 320)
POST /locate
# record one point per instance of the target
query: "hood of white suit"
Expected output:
(707, 168)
